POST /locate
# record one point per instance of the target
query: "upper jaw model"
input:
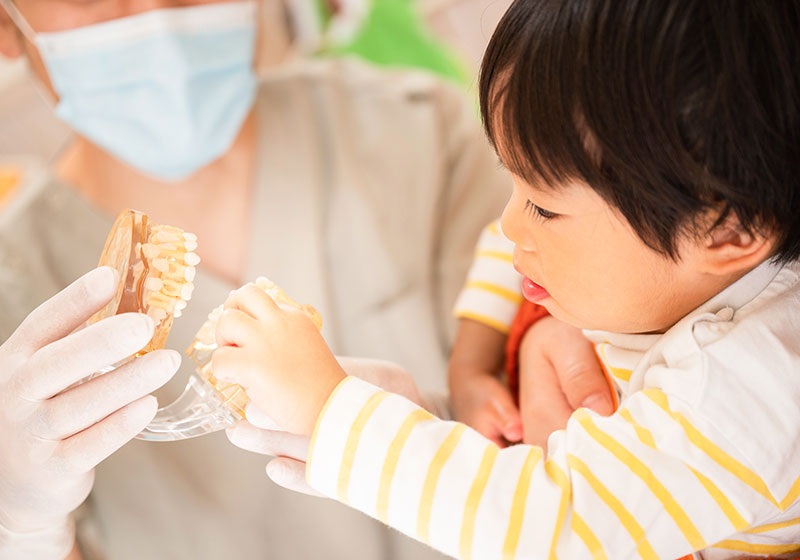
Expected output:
(156, 266)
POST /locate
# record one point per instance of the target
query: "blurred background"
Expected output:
(447, 37)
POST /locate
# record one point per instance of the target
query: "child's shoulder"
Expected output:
(764, 331)
(748, 359)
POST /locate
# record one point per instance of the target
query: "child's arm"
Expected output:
(653, 480)
(479, 397)
(485, 308)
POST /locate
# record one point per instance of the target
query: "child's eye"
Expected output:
(537, 212)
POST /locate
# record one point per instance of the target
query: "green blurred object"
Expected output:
(393, 33)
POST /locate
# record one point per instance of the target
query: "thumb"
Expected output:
(583, 381)
(290, 474)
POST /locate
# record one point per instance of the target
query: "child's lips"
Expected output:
(532, 291)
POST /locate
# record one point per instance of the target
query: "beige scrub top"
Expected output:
(370, 192)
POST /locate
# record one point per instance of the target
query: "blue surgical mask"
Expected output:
(165, 91)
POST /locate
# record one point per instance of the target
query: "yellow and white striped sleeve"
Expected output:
(646, 482)
(493, 290)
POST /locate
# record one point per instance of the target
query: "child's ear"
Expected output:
(730, 249)
(10, 42)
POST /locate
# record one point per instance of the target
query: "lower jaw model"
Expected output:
(156, 266)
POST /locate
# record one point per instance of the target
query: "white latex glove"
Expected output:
(53, 434)
(260, 434)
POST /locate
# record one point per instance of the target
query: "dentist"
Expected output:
(309, 175)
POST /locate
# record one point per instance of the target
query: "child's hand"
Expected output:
(479, 398)
(558, 373)
(483, 402)
(278, 355)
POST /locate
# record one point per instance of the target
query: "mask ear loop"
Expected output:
(19, 20)
(28, 32)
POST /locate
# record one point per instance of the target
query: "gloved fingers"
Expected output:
(290, 474)
(80, 407)
(259, 418)
(85, 450)
(68, 360)
(269, 442)
(67, 310)
(235, 328)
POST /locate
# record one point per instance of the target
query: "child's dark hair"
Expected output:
(666, 108)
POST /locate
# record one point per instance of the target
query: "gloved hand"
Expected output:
(53, 432)
(260, 434)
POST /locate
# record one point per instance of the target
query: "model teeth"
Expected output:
(191, 259)
(169, 285)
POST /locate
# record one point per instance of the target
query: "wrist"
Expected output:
(463, 376)
(321, 395)
(55, 541)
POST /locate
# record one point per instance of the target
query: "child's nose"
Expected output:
(514, 226)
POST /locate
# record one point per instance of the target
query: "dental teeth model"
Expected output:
(156, 266)
(204, 344)
(209, 404)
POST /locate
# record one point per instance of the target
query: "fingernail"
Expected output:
(174, 359)
(513, 432)
(151, 402)
(114, 274)
(147, 324)
(598, 402)
(275, 471)
(102, 278)
(233, 436)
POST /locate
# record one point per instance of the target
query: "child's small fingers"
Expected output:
(513, 431)
(497, 440)
(507, 422)
(230, 363)
(491, 431)
(235, 328)
(255, 301)
(503, 404)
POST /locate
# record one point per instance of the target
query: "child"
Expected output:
(655, 146)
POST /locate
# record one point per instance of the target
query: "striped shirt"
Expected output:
(702, 454)
(493, 290)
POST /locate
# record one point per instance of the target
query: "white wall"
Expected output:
(465, 24)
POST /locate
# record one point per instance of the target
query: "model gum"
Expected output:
(156, 265)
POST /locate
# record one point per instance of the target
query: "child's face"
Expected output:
(590, 268)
